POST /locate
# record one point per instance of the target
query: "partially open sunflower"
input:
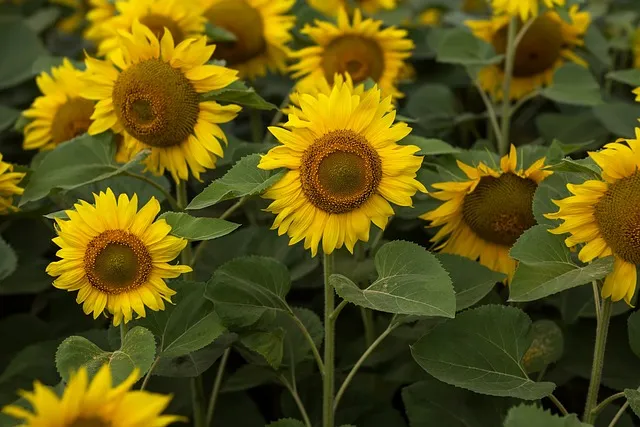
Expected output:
(60, 114)
(605, 216)
(483, 216)
(344, 167)
(116, 257)
(151, 94)
(9, 181)
(262, 29)
(362, 48)
(548, 44)
(331, 7)
(524, 9)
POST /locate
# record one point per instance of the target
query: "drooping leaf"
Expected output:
(238, 93)
(534, 416)
(574, 85)
(192, 228)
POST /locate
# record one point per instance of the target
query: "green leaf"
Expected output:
(195, 363)
(8, 260)
(533, 416)
(243, 179)
(19, 55)
(434, 106)
(471, 281)
(633, 397)
(192, 228)
(238, 93)
(618, 117)
(296, 346)
(247, 377)
(268, 344)
(552, 188)
(583, 166)
(8, 116)
(574, 85)
(546, 267)
(245, 289)
(481, 350)
(410, 281)
(78, 162)
(137, 351)
(547, 346)
(459, 46)
(428, 146)
(633, 323)
(629, 77)
(42, 19)
(218, 34)
(286, 422)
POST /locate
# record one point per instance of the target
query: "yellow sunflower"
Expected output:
(331, 7)
(344, 167)
(75, 20)
(546, 45)
(482, 217)
(151, 94)
(93, 403)
(60, 114)
(9, 181)
(362, 49)
(525, 9)
(262, 29)
(116, 257)
(604, 216)
(430, 17)
(100, 11)
(183, 18)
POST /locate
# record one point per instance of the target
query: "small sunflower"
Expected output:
(151, 94)
(181, 17)
(604, 216)
(331, 7)
(482, 217)
(75, 19)
(93, 403)
(100, 11)
(262, 29)
(116, 257)
(362, 49)
(430, 17)
(9, 181)
(546, 45)
(525, 9)
(344, 167)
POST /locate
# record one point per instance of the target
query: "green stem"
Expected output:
(183, 201)
(615, 419)
(369, 326)
(296, 398)
(307, 336)
(216, 387)
(172, 201)
(491, 112)
(146, 377)
(596, 298)
(510, 57)
(123, 332)
(257, 127)
(338, 309)
(558, 404)
(606, 402)
(328, 380)
(598, 360)
(197, 400)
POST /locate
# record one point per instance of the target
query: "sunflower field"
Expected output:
(319, 213)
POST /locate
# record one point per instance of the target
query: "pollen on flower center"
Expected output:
(89, 422)
(157, 24)
(116, 261)
(618, 216)
(246, 24)
(340, 171)
(499, 209)
(72, 119)
(538, 50)
(361, 57)
(156, 103)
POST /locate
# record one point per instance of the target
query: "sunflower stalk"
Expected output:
(329, 324)
(598, 361)
(216, 387)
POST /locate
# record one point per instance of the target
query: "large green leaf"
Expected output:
(268, 344)
(481, 350)
(8, 260)
(238, 93)
(20, 53)
(618, 117)
(192, 228)
(428, 146)
(633, 396)
(410, 281)
(534, 416)
(459, 46)
(574, 85)
(546, 348)
(196, 362)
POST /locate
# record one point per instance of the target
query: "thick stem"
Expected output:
(328, 380)
(606, 402)
(123, 332)
(598, 360)
(509, 62)
(596, 298)
(615, 419)
(257, 127)
(216, 387)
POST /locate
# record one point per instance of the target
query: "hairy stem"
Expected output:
(598, 360)
(216, 387)
(328, 380)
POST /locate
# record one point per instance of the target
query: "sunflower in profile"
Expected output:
(9, 181)
(100, 11)
(524, 9)
(93, 403)
(362, 49)
(331, 7)
(116, 257)
(183, 18)
(605, 216)
(547, 45)
(151, 93)
(344, 167)
(60, 114)
(483, 216)
(262, 30)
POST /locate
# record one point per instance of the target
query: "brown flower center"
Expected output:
(618, 216)
(157, 24)
(72, 119)
(156, 103)
(340, 171)
(361, 57)
(499, 209)
(245, 22)
(116, 261)
(89, 422)
(539, 49)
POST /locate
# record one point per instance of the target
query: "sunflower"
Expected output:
(546, 45)
(331, 7)
(181, 17)
(75, 20)
(525, 9)
(262, 29)
(344, 167)
(9, 181)
(93, 403)
(151, 94)
(483, 216)
(100, 12)
(603, 214)
(60, 114)
(431, 17)
(362, 49)
(116, 257)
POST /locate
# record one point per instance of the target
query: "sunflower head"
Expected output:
(93, 402)
(100, 12)
(343, 165)
(9, 181)
(331, 7)
(483, 216)
(116, 257)
(603, 215)
(524, 9)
